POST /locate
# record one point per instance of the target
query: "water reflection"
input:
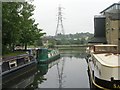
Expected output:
(39, 76)
(76, 54)
(70, 71)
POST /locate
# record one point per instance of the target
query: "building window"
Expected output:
(119, 7)
(113, 28)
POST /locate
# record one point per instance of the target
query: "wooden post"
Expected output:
(119, 46)
(119, 36)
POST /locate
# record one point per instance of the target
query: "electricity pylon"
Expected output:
(59, 22)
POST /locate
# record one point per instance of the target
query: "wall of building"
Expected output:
(113, 31)
(112, 15)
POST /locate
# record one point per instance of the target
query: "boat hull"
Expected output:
(97, 83)
(18, 68)
(48, 60)
(11, 77)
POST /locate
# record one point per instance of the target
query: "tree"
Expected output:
(82, 41)
(17, 25)
(29, 30)
(10, 24)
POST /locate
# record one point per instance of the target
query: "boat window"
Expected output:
(5, 66)
(30, 57)
(12, 63)
(49, 55)
(20, 61)
(112, 49)
(27, 59)
(119, 7)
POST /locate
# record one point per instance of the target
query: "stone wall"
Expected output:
(113, 32)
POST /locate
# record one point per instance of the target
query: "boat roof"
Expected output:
(108, 59)
(6, 59)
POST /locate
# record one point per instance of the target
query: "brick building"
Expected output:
(112, 14)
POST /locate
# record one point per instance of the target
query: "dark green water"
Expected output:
(70, 71)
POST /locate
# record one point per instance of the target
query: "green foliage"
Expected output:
(38, 42)
(10, 27)
(78, 38)
(51, 43)
(18, 28)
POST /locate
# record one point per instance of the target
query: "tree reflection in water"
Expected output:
(42, 69)
(41, 72)
(76, 54)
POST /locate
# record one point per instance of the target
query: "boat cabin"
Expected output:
(104, 49)
(12, 62)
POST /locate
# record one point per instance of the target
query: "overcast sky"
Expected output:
(78, 14)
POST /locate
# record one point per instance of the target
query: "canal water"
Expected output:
(70, 71)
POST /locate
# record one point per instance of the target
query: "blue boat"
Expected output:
(14, 64)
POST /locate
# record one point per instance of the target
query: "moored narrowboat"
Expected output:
(46, 55)
(104, 66)
(14, 63)
(20, 78)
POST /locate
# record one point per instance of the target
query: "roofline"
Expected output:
(110, 6)
(99, 16)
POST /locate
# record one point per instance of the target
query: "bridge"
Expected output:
(70, 47)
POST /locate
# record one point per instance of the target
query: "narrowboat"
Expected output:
(104, 66)
(13, 64)
(46, 55)
(20, 78)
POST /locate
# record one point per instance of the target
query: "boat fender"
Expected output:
(93, 73)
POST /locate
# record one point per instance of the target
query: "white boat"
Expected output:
(104, 66)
